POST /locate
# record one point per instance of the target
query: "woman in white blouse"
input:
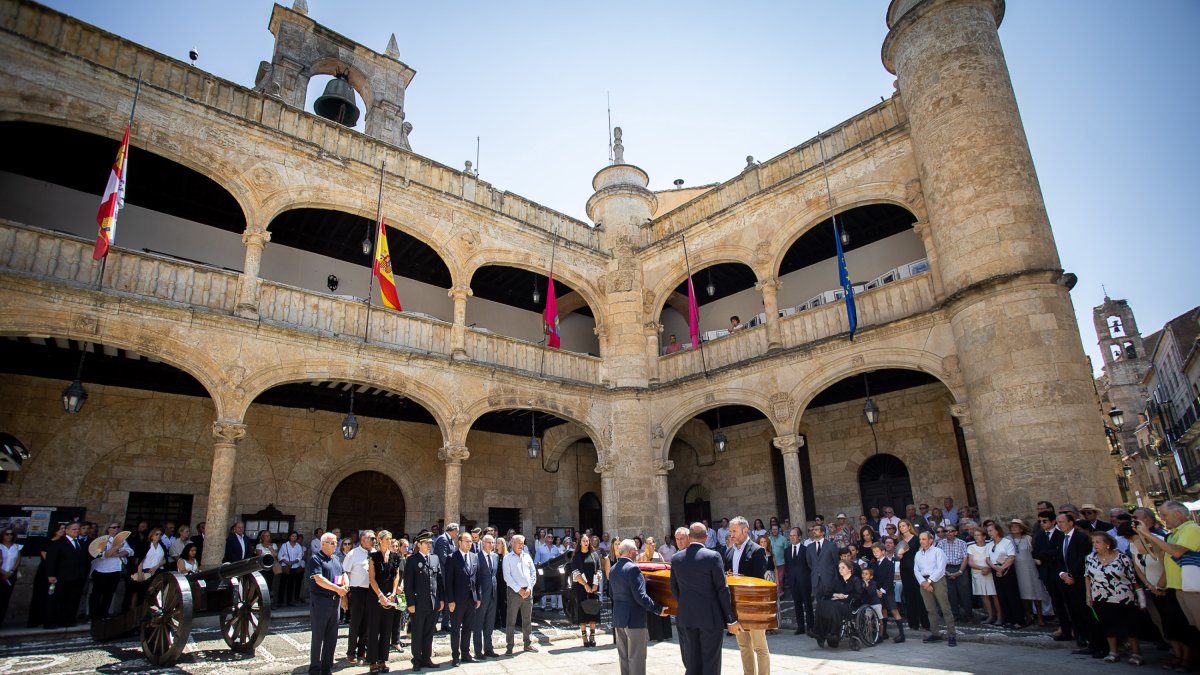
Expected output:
(1001, 556)
(10, 557)
(175, 550)
(187, 562)
(147, 567)
(291, 560)
(266, 547)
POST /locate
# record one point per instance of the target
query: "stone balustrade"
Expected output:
(733, 348)
(525, 356)
(77, 39)
(868, 125)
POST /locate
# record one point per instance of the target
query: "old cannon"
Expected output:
(235, 592)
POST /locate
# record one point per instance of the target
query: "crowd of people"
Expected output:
(1109, 585)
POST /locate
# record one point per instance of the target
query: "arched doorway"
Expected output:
(883, 481)
(590, 513)
(696, 506)
(366, 500)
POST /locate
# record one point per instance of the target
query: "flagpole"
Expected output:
(836, 234)
(374, 253)
(132, 109)
(553, 251)
(692, 290)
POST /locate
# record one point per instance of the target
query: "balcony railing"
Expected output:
(742, 345)
(68, 259)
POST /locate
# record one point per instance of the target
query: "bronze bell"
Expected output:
(337, 103)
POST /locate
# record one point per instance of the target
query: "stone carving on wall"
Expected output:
(622, 281)
(663, 466)
(781, 406)
(228, 432)
(763, 252)
(453, 454)
(605, 465)
(85, 323)
(647, 301)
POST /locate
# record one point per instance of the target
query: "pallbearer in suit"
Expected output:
(822, 561)
(423, 594)
(746, 558)
(798, 579)
(485, 617)
(704, 610)
(462, 598)
(630, 605)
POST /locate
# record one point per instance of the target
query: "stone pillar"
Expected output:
(247, 298)
(921, 227)
(770, 292)
(963, 414)
(608, 496)
(601, 331)
(1028, 383)
(662, 489)
(653, 340)
(789, 446)
(458, 332)
(453, 456)
(635, 498)
(220, 489)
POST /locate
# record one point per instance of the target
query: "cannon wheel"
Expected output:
(168, 618)
(245, 623)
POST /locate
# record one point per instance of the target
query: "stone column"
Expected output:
(921, 227)
(247, 298)
(453, 456)
(789, 446)
(653, 340)
(770, 292)
(962, 413)
(458, 332)
(220, 489)
(662, 489)
(1028, 383)
(601, 331)
(608, 495)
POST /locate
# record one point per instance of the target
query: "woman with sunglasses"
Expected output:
(10, 557)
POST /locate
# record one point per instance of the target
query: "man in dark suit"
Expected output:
(822, 560)
(1076, 545)
(444, 545)
(747, 558)
(798, 580)
(237, 545)
(198, 540)
(1047, 554)
(462, 598)
(485, 617)
(704, 606)
(66, 569)
(424, 596)
(630, 604)
(1092, 514)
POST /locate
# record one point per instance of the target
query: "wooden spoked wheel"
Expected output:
(245, 623)
(168, 618)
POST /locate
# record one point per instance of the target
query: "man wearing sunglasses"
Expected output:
(1047, 555)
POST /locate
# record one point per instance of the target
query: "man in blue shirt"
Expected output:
(326, 587)
(630, 604)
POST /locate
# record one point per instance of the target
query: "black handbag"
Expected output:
(590, 606)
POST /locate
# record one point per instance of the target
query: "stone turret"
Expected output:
(1125, 363)
(1029, 386)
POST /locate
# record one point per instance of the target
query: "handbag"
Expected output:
(1189, 567)
(590, 606)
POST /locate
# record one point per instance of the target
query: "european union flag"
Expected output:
(844, 280)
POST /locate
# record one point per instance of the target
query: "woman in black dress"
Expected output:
(585, 587)
(835, 605)
(41, 584)
(914, 604)
(383, 573)
(501, 585)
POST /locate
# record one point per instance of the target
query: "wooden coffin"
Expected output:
(755, 602)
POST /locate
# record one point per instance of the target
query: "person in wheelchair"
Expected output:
(835, 604)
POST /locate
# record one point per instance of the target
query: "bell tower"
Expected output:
(304, 48)
(1125, 363)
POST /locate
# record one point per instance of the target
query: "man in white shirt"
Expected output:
(950, 511)
(889, 518)
(519, 575)
(930, 570)
(548, 551)
(314, 546)
(356, 566)
(106, 574)
(711, 541)
(723, 530)
(605, 544)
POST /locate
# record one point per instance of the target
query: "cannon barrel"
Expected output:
(235, 569)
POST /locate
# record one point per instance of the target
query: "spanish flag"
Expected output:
(112, 202)
(383, 269)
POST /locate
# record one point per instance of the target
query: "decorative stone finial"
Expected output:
(393, 49)
(618, 147)
(300, 7)
(468, 168)
(750, 163)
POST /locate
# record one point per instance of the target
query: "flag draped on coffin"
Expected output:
(693, 316)
(112, 201)
(550, 317)
(844, 280)
(383, 270)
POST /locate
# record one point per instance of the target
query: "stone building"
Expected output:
(228, 333)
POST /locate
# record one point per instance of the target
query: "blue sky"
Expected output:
(1103, 88)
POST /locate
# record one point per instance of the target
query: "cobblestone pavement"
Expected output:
(285, 650)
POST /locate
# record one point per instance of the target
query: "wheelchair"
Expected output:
(861, 628)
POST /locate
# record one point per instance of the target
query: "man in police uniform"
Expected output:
(424, 595)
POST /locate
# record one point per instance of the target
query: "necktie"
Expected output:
(75, 544)
(818, 547)
(1066, 542)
